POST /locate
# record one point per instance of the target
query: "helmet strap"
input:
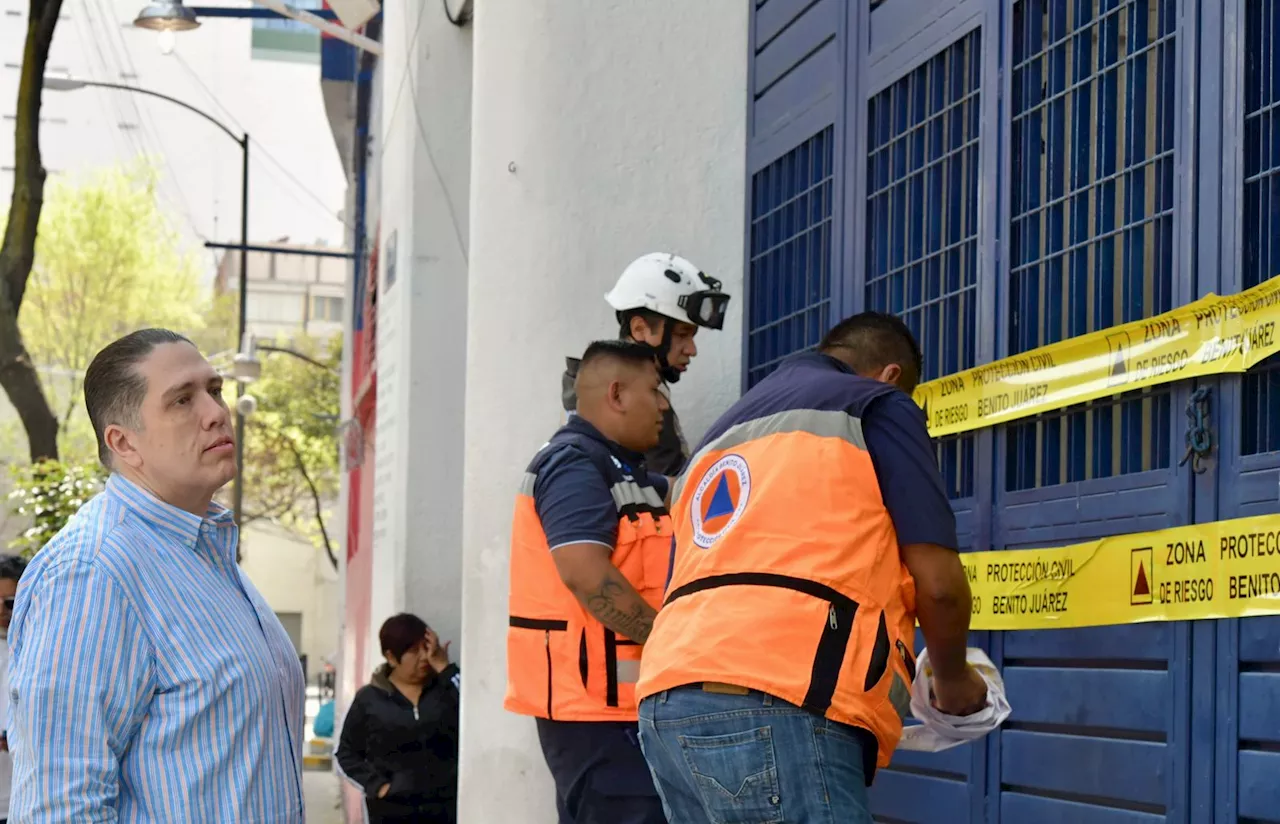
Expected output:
(666, 371)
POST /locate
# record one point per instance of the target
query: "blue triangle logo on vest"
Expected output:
(721, 502)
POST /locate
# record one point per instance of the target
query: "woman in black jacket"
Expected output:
(400, 737)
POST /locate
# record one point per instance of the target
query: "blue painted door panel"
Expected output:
(1247, 660)
(1005, 174)
(1098, 724)
(1258, 731)
(1099, 731)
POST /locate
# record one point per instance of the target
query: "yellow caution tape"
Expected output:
(1225, 569)
(1212, 336)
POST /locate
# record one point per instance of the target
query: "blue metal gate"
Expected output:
(1006, 175)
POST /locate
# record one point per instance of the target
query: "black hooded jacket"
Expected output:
(386, 740)
(667, 458)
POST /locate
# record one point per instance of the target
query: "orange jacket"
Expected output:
(561, 662)
(787, 576)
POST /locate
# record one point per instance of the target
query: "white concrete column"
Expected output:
(423, 152)
(601, 131)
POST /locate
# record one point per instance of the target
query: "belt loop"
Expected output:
(662, 696)
(768, 699)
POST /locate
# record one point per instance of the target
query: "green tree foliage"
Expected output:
(49, 492)
(107, 263)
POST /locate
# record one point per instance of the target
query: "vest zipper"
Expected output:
(415, 714)
(832, 621)
(547, 637)
(907, 659)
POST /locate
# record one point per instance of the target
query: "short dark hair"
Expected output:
(876, 340)
(12, 567)
(627, 351)
(113, 388)
(651, 319)
(401, 633)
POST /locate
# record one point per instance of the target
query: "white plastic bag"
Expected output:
(939, 731)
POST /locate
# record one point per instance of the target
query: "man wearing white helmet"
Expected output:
(662, 299)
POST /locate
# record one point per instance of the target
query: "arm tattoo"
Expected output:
(622, 611)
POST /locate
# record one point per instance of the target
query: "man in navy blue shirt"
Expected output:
(587, 568)
(732, 662)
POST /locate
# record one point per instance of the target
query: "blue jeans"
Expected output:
(751, 759)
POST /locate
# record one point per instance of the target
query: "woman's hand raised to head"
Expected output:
(437, 653)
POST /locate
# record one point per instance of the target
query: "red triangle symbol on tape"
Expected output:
(1140, 586)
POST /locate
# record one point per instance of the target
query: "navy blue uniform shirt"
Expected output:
(571, 496)
(897, 437)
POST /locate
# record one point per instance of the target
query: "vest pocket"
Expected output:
(648, 539)
(618, 671)
(879, 656)
(546, 626)
(833, 644)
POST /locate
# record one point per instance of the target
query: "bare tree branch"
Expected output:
(315, 499)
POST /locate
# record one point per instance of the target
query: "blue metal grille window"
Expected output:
(1260, 413)
(789, 280)
(1091, 216)
(922, 219)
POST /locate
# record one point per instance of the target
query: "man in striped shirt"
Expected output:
(149, 680)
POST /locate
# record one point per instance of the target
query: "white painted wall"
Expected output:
(425, 151)
(625, 125)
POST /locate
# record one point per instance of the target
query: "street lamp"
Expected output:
(167, 15)
(247, 368)
(67, 84)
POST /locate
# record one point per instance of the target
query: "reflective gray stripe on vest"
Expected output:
(625, 493)
(628, 672)
(823, 423)
(630, 493)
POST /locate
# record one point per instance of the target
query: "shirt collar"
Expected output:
(182, 525)
(582, 426)
(818, 359)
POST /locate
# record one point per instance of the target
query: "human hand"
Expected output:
(960, 696)
(437, 653)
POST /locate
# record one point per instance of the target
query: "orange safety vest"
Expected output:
(787, 575)
(562, 663)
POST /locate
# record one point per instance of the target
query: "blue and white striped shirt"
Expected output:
(149, 680)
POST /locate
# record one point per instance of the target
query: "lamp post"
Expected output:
(246, 367)
(67, 84)
(171, 15)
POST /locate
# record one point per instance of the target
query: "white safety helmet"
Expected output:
(672, 287)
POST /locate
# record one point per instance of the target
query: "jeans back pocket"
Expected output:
(736, 774)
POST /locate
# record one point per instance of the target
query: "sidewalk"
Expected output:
(321, 789)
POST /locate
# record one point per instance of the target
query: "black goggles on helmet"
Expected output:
(706, 307)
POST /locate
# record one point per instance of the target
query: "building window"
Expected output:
(1093, 187)
(789, 280)
(1260, 229)
(922, 219)
(275, 308)
(326, 309)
